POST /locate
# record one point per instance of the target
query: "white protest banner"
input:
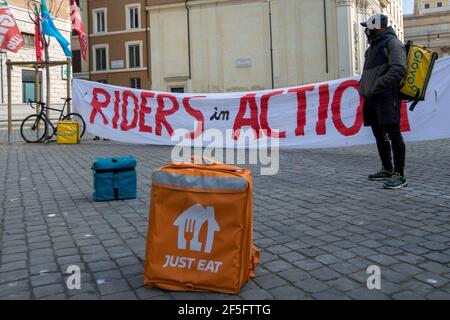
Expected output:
(327, 114)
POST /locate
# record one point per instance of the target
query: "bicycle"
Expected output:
(34, 128)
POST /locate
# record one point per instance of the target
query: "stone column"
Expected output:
(362, 15)
(345, 19)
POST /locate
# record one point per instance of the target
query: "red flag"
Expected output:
(10, 37)
(77, 25)
(38, 41)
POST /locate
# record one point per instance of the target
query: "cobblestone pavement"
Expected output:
(319, 224)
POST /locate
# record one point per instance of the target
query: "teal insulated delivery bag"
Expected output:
(114, 178)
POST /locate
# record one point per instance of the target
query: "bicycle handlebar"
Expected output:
(36, 102)
(30, 102)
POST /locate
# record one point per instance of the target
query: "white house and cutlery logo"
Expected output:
(189, 224)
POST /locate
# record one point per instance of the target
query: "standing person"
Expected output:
(384, 68)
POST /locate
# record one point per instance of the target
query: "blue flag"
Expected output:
(49, 29)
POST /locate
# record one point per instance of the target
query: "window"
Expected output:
(100, 20)
(29, 85)
(132, 14)
(134, 55)
(177, 89)
(439, 4)
(101, 58)
(135, 83)
(28, 39)
(76, 61)
(427, 6)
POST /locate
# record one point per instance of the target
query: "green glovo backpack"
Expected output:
(420, 64)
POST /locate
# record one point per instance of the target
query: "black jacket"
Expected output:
(384, 67)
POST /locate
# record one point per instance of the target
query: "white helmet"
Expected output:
(376, 22)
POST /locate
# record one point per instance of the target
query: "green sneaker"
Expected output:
(381, 175)
(397, 181)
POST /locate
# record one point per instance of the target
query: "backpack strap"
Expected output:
(416, 101)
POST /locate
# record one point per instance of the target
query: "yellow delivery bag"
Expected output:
(68, 132)
(420, 63)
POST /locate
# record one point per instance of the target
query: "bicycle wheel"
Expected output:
(33, 129)
(79, 118)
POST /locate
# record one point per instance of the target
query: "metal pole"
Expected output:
(8, 75)
(271, 46)
(326, 35)
(69, 74)
(188, 17)
(1, 74)
(37, 93)
(37, 89)
(47, 78)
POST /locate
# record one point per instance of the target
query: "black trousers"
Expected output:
(390, 141)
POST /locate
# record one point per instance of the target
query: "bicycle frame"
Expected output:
(43, 114)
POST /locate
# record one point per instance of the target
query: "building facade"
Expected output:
(81, 67)
(118, 43)
(429, 26)
(240, 45)
(23, 79)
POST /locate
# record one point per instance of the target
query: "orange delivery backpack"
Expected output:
(200, 233)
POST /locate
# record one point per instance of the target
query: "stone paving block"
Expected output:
(13, 275)
(407, 295)
(127, 261)
(12, 266)
(288, 293)
(432, 279)
(44, 268)
(324, 274)
(308, 265)
(294, 275)
(366, 294)
(270, 281)
(48, 290)
(343, 284)
(278, 265)
(278, 249)
(6, 258)
(383, 259)
(113, 274)
(438, 257)
(328, 259)
(418, 287)
(438, 295)
(311, 285)
(256, 294)
(434, 267)
(410, 258)
(85, 296)
(129, 295)
(406, 269)
(330, 295)
(344, 267)
(103, 265)
(24, 295)
(113, 286)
